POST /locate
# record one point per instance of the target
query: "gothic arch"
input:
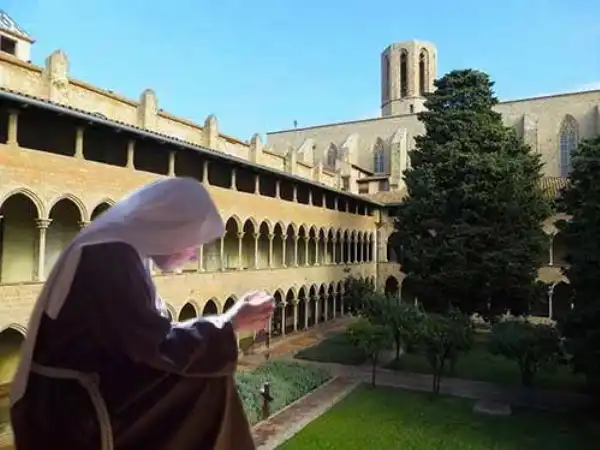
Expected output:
(83, 213)
(403, 73)
(332, 156)
(379, 156)
(37, 202)
(568, 136)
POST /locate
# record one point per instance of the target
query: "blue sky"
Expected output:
(261, 64)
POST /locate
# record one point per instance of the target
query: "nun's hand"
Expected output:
(252, 312)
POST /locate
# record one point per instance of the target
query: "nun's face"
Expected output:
(168, 263)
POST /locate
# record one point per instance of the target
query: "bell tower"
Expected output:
(408, 70)
(13, 39)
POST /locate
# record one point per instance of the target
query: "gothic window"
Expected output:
(332, 156)
(568, 137)
(385, 71)
(378, 157)
(423, 72)
(403, 74)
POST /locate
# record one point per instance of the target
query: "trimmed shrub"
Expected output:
(289, 382)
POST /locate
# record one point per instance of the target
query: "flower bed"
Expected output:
(289, 381)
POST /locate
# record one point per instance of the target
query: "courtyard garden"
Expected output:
(385, 418)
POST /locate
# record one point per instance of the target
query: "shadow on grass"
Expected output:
(335, 348)
(386, 418)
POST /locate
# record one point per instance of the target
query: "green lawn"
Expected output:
(394, 419)
(480, 364)
(336, 348)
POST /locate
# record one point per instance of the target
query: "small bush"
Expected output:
(372, 338)
(532, 346)
(289, 381)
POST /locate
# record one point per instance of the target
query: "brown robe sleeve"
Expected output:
(124, 318)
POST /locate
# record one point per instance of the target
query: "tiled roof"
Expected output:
(550, 185)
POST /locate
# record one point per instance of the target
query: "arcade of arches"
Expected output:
(32, 236)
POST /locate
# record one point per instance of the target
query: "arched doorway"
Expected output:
(188, 312)
(392, 287)
(210, 308)
(11, 340)
(102, 207)
(229, 303)
(277, 318)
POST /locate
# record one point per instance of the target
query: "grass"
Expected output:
(385, 418)
(336, 348)
(480, 364)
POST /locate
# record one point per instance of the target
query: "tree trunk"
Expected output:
(373, 371)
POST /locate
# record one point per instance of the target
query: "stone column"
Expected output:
(222, 252)
(333, 246)
(205, 165)
(551, 251)
(130, 154)
(277, 189)
(233, 185)
(284, 250)
(334, 304)
(79, 134)
(325, 250)
(326, 306)
(171, 171)
(317, 308)
(295, 193)
(42, 226)
(257, 184)
(355, 242)
(240, 237)
(13, 127)
(271, 237)
(201, 258)
(342, 248)
(348, 250)
(282, 306)
(306, 311)
(296, 237)
(306, 254)
(295, 314)
(317, 262)
(256, 237)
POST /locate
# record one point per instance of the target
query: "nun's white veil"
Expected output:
(161, 218)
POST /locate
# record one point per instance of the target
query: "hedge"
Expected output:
(289, 382)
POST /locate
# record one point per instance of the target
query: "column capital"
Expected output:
(84, 223)
(256, 236)
(240, 235)
(271, 236)
(42, 224)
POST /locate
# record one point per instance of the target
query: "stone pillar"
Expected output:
(326, 307)
(79, 134)
(317, 308)
(205, 173)
(201, 258)
(333, 246)
(233, 185)
(306, 311)
(296, 237)
(222, 252)
(310, 197)
(295, 314)
(271, 237)
(130, 154)
(348, 250)
(551, 251)
(277, 189)
(295, 190)
(355, 249)
(13, 127)
(282, 306)
(171, 172)
(257, 184)
(306, 254)
(334, 304)
(256, 237)
(284, 250)
(42, 226)
(325, 250)
(240, 237)
(317, 262)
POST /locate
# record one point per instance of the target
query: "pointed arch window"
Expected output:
(568, 137)
(403, 74)
(379, 157)
(332, 156)
(423, 70)
(385, 72)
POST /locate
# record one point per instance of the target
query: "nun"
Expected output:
(101, 367)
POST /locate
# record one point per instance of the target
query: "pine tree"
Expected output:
(581, 201)
(471, 227)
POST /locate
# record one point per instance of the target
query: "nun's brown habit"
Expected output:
(165, 387)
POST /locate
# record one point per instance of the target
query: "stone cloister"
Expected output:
(31, 243)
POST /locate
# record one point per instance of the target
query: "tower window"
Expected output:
(403, 74)
(378, 155)
(8, 45)
(412, 109)
(423, 72)
(385, 72)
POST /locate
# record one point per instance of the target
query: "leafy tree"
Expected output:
(581, 201)
(356, 292)
(471, 228)
(372, 338)
(404, 321)
(443, 338)
(532, 346)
